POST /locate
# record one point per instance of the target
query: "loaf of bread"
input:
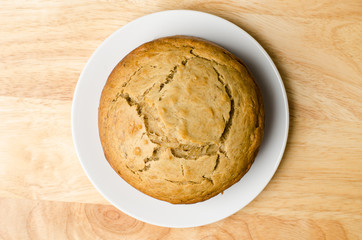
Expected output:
(181, 119)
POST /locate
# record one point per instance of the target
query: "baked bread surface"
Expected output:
(181, 119)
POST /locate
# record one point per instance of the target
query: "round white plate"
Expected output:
(85, 118)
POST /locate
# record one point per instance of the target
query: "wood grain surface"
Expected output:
(317, 190)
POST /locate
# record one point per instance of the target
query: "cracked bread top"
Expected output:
(181, 119)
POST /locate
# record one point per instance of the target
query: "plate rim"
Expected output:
(181, 11)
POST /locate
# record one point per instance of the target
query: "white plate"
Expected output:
(85, 115)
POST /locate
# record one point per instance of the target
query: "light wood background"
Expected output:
(317, 190)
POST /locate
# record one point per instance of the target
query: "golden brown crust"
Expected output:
(181, 119)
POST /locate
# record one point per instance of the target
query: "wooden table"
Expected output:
(317, 190)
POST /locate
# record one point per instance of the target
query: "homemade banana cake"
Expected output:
(181, 119)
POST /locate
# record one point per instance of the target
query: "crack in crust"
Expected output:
(192, 152)
(204, 178)
(182, 170)
(154, 156)
(208, 179)
(130, 78)
(217, 163)
(209, 60)
(134, 172)
(169, 78)
(222, 151)
(182, 182)
(232, 109)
